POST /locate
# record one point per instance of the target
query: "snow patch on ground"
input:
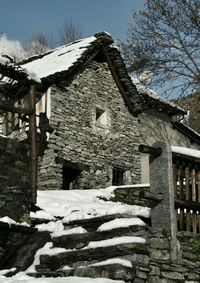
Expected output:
(27, 279)
(10, 221)
(120, 261)
(83, 204)
(51, 226)
(36, 261)
(119, 223)
(76, 230)
(115, 241)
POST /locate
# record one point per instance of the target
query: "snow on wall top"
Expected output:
(186, 151)
(152, 94)
(59, 59)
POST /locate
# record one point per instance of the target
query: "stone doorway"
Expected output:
(70, 176)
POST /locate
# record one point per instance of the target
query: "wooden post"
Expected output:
(194, 222)
(198, 185)
(188, 225)
(181, 220)
(180, 181)
(193, 176)
(175, 180)
(177, 219)
(198, 223)
(33, 143)
(187, 183)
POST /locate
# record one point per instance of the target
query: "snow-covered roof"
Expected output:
(65, 61)
(186, 151)
(149, 95)
(11, 71)
(59, 59)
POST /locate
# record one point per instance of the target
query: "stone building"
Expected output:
(92, 117)
(89, 117)
(91, 120)
(161, 120)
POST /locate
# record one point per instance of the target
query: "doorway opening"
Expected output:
(70, 176)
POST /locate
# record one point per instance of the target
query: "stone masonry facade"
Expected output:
(14, 194)
(93, 132)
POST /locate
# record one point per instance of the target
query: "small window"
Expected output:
(101, 118)
(118, 177)
(99, 113)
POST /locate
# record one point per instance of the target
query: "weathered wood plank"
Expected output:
(198, 185)
(181, 220)
(180, 181)
(175, 180)
(187, 183)
(191, 205)
(188, 221)
(194, 222)
(193, 177)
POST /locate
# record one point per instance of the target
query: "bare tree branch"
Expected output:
(164, 40)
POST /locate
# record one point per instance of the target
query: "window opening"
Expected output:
(118, 177)
(70, 176)
(99, 113)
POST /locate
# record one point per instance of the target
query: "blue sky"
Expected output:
(20, 19)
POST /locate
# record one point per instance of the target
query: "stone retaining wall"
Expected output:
(14, 194)
(158, 267)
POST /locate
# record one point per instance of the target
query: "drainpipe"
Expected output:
(32, 135)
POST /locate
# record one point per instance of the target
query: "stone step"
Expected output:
(115, 271)
(79, 241)
(57, 261)
(91, 224)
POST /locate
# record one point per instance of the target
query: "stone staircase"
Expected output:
(107, 246)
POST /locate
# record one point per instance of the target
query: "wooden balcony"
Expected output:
(186, 183)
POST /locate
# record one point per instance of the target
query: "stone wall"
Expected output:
(158, 267)
(156, 126)
(81, 140)
(14, 195)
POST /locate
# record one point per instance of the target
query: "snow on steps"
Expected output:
(115, 271)
(54, 262)
(115, 237)
(99, 236)
(81, 240)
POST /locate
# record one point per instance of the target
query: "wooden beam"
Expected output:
(13, 72)
(154, 151)
(151, 196)
(118, 82)
(33, 143)
(191, 205)
(9, 108)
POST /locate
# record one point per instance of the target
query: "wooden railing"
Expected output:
(186, 183)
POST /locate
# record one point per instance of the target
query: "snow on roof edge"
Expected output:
(145, 90)
(59, 59)
(186, 151)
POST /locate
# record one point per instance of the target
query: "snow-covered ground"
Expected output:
(83, 204)
(27, 279)
(61, 207)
